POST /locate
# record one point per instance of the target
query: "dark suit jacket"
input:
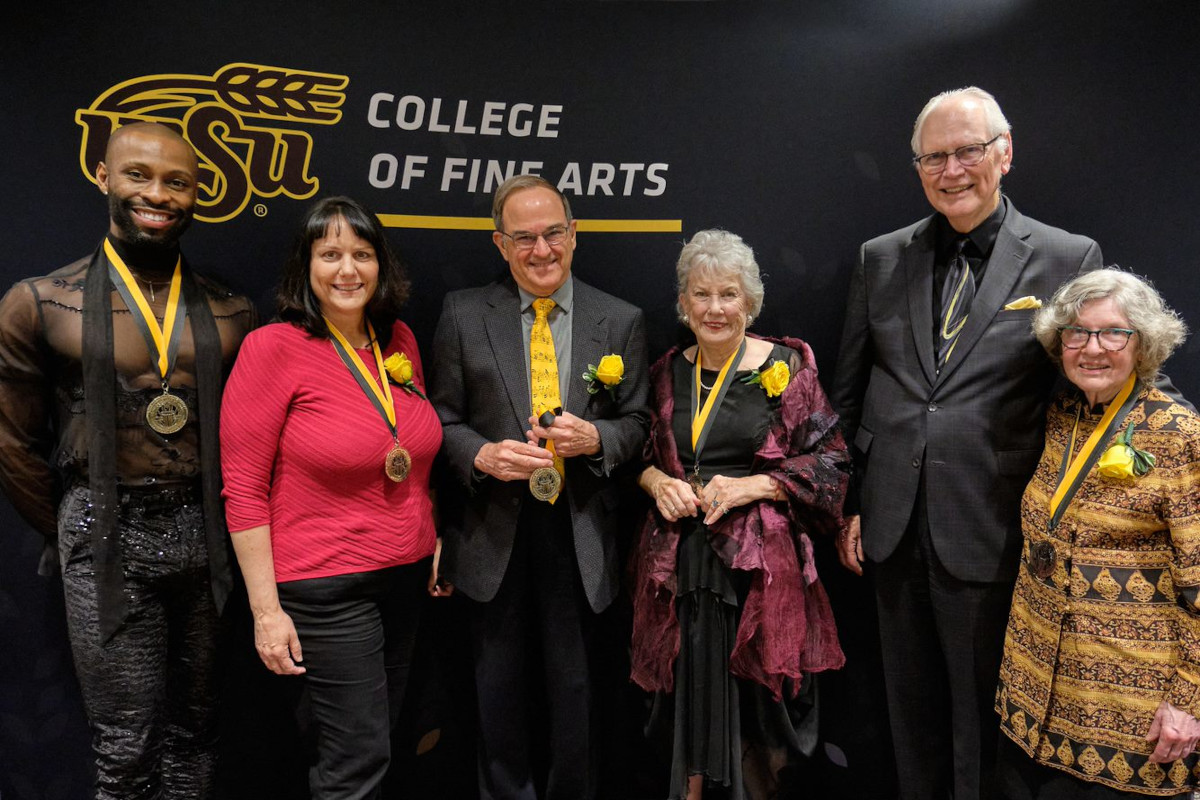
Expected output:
(975, 429)
(481, 392)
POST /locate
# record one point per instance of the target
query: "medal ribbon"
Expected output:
(1071, 477)
(380, 398)
(163, 342)
(702, 418)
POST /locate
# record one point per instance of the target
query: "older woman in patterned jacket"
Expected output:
(1100, 680)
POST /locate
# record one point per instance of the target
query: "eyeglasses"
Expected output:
(523, 240)
(968, 155)
(1110, 339)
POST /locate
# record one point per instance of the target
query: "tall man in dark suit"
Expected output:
(537, 569)
(942, 388)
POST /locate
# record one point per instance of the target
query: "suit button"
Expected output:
(916, 463)
(933, 407)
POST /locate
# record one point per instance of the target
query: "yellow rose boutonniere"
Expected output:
(607, 375)
(774, 379)
(400, 370)
(1123, 460)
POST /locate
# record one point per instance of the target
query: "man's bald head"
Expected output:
(150, 175)
(149, 129)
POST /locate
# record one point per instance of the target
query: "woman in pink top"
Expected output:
(327, 442)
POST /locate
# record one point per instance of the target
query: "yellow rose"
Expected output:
(399, 367)
(775, 378)
(611, 370)
(1117, 462)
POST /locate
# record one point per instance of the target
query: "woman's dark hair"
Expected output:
(295, 303)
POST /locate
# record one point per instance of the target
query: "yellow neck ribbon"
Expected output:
(380, 396)
(163, 342)
(700, 416)
(1069, 477)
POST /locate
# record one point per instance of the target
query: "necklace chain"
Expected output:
(151, 284)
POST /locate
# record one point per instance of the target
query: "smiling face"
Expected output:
(965, 195)
(343, 272)
(715, 306)
(1100, 373)
(542, 269)
(149, 174)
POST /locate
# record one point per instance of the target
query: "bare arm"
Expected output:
(275, 636)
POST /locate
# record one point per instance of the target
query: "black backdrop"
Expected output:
(786, 123)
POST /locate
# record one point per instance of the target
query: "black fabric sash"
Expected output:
(100, 405)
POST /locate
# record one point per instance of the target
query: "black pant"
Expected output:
(357, 633)
(150, 691)
(941, 640)
(531, 648)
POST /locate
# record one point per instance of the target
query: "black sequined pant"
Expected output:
(150, 691)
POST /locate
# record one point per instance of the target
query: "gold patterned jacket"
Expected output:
(1092, 649)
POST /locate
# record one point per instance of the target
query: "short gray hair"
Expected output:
(515, 184)
(997, 123)
(1159, 329)
(716, 252)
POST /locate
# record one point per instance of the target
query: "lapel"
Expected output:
(589, 338)
(917, 258)
(502, 321)
(1009, 256)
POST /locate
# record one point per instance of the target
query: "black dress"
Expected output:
(717, 716)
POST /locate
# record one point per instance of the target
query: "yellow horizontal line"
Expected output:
(631, 225)
(485, 224)
(443, 223)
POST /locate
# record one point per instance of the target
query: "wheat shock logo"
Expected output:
(233, 120)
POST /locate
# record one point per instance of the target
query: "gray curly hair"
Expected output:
(1159, 328)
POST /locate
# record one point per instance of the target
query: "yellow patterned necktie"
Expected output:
(543, 370)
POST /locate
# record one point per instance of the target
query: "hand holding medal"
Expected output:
(675, 498)
(546, 482)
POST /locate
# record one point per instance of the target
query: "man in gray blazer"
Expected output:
(536, 572)
(942, 389)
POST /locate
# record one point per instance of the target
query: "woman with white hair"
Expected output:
(746, 461)
(1100, 679)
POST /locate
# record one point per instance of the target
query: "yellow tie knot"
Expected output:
(542, 306)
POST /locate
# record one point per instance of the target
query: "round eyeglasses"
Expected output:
(1111, 339)
(968, 155)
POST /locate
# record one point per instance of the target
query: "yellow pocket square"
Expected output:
(1028, 301)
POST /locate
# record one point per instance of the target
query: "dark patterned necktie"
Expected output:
(958, 291)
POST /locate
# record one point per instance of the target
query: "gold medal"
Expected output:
(696, 482)
(398, 463)
(545, 483)
(166, 413)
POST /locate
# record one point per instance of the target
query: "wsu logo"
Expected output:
(232, 119)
